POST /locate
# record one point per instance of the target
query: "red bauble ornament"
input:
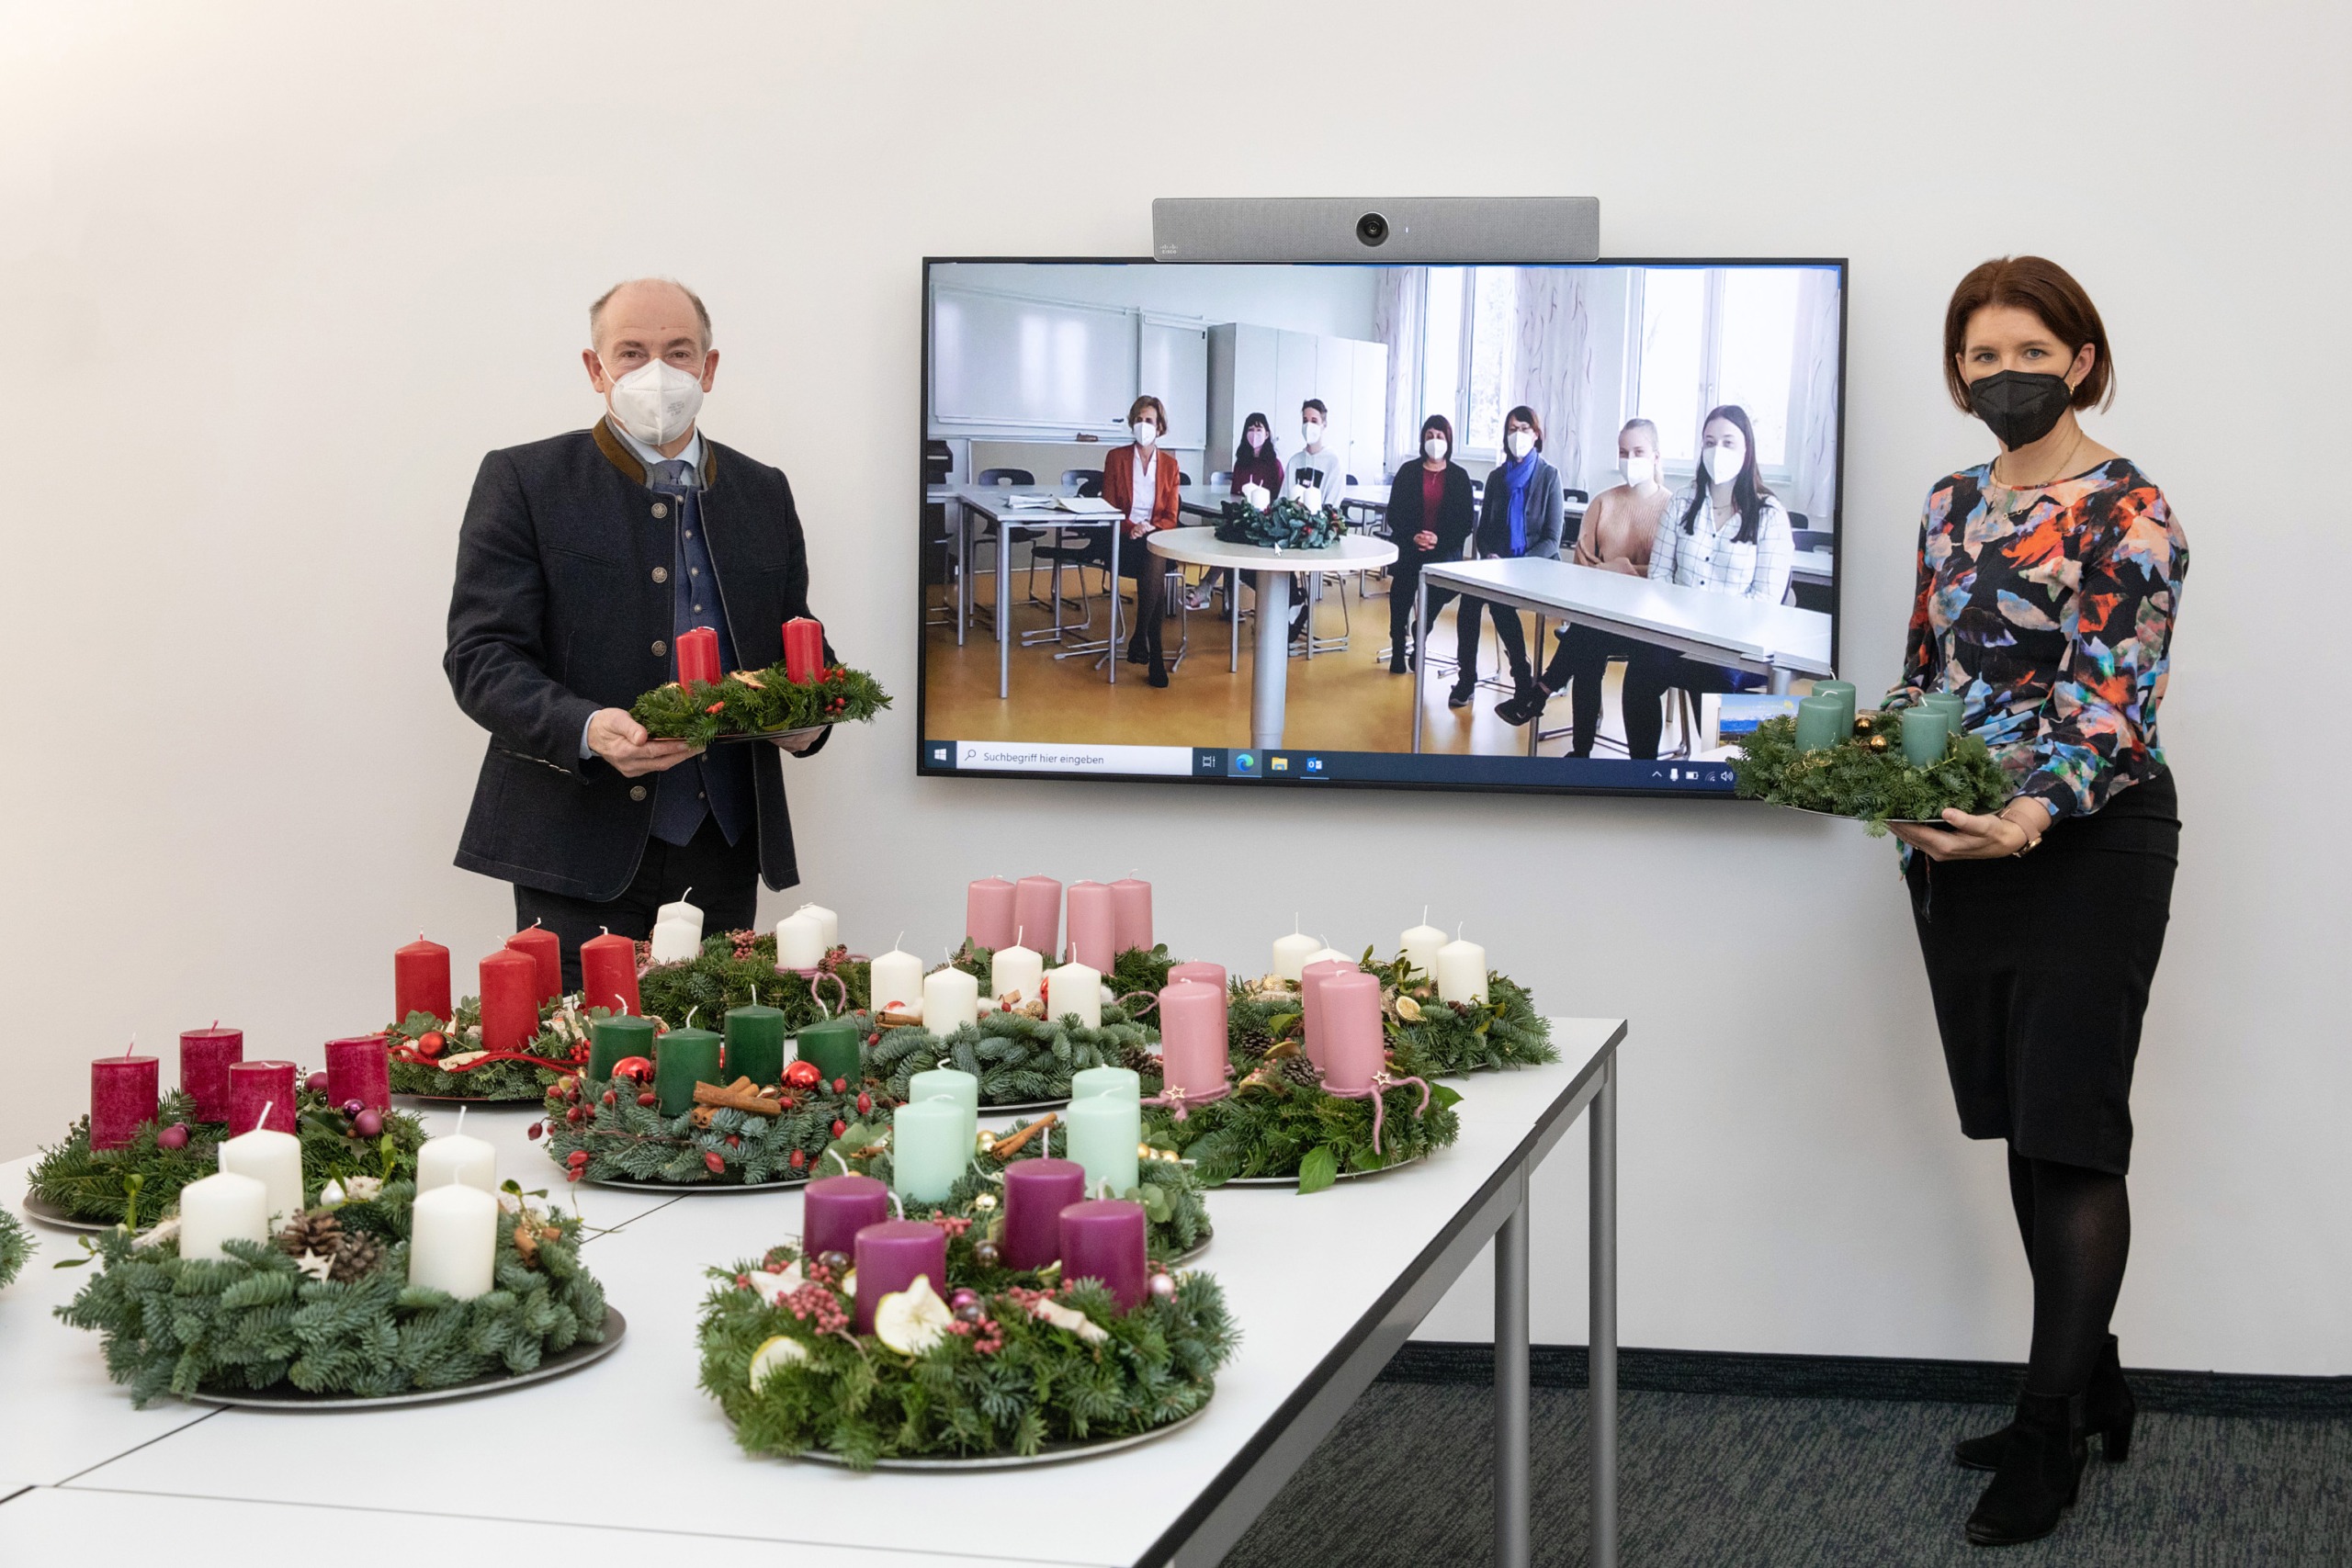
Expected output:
(316, 1083)
(369, 1123)
(635, 1067)
(173, 1137)
(429, 1044)
(801, 1075)
(710, 1159)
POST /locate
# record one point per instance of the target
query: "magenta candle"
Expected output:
(1310, 988)
(1038, 913)
(360, 1068)
(510, 1000)
(204, 1058)
(987, 913)
(545, 951)
(1035, 1193)
(255, 1085)
(1093, 929)
(1354, 1044)
(1191, 1037)
(122, 1095)
(1104, 1240)
(1131, 912)
(890, 1255)
(420, 980)
(835, 1208)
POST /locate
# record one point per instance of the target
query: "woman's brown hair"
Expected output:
(1158, 410)
(2050, 291)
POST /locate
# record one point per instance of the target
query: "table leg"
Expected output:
(1780, 681)
(1535, 653)
(1112, 651)
(1421, 651)
(1601, 1120)
(1269, 669)
(1512, 1358)
(1232, 614)
(962, 569)
(1003, 611)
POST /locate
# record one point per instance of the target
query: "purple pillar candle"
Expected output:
(360, 1068)
(1038, 913)
(1191, 1037)
(835, 1208)
(890, 1255)
(1310, 988)
(1035, 1193)
(122, 1095)
(255, 1085)
(206, 1055)
(1354, 1040)
(987, 913)
(1104, 1240)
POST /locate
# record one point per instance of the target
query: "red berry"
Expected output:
(534, 1130)
(573, 1175)
(576, 1157)
(841, 1085)
(742, 1281)
(710, 1158)
(799, 1159)
(733, 1142)
(649, 1097)
(865, 1102)
(574, 1115)
(840, 1127)
(609, 1096)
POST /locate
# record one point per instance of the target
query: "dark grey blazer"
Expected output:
(1545, 510)
(556, 612)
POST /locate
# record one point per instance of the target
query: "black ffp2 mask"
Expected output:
(2019, 406)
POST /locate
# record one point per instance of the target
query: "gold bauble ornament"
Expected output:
(984, 1201)
(1865, 722)
(1145, 1151)
(1878, 742)
(987, 1142)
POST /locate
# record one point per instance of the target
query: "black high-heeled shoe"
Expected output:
(2040, 1476)
(2108, 1411)
(1159, 676)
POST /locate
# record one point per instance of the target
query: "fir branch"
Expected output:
(1017, 1058)
(1431, 1037)
(1286, 524)
(1861, 779)
(625, 1139)
(733, 969)
(1270, 1125)
(16, 1246)
(1141, 969)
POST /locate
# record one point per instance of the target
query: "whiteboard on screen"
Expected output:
(1004, 361)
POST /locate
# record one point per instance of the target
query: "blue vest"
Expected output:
(719, 781)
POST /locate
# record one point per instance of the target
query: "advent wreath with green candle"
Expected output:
(1866, 775)
(16, 1246)
(142, 1180)
(735, 1135)
(738, 969)
(326, 1307)
(757, 702)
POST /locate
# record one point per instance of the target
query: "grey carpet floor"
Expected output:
(1708, 1481)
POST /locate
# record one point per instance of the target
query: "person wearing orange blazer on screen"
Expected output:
(1141, 481)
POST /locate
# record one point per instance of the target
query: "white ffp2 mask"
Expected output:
(1520, 442)
(1723, 464)
(1638, 472)
(1146, 431)
(1433, 449)
(1312, 431)
(656, 402)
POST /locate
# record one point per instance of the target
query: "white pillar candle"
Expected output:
(1327, 955)
(676, 941)
(457, 1160)
(227, 1207)
(1291, 953)
(1075, 988)
(896, 977)
(828, 924)
(1462, 971)
(799, 941)
(951, 998)
(681, 910)
(274, 1159)
(453, 1241)
(1420, 944)
(1016, 969)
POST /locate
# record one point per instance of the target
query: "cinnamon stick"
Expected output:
(737, 1095)
(1005, 1148)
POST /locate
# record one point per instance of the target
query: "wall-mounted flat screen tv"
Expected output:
(1568, 528)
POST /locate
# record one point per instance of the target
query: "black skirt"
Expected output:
(2040, 967)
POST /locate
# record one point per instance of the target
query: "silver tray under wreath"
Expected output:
(286, 1396)
(1052, 1453)
(50, 1214)
(1027, 1106)
(807, 732)
(536, 1103)
(623, 1184)
(1292, 1180)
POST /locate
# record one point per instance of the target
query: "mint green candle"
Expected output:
(1103, 1130)
(928, 1149)
(1821, 723)
(1104, 1080)
(1952, 705)
(683, 1058)
(958, 1088)
(611, 1039)
(1844, 692)
(756, 1045)
(833, 1045)
(1926, 732)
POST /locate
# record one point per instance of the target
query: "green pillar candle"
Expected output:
(1925, 733)
(1103, 1130)
(1092, 1081)
(1821, 723)
(928, 1149)
(610, 1039)
(1844, 692)
(683, 1058)
(755, 1044)
(833, 1047)
(959, 1088)
(1952, 705)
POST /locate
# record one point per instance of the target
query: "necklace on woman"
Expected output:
(2064, 464)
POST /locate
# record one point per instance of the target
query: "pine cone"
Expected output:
(316, 1233)
(358, 1255)
(1300, 1073)
(1139, 1058)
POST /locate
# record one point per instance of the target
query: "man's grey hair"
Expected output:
(596, 310)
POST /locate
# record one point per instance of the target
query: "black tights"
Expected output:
(2077, 1228)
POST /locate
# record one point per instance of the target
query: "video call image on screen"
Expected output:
(1639, 460)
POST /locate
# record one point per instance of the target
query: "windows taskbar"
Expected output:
(1286, 766)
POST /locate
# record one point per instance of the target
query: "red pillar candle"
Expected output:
(1103, 1238)
(420, 980)
(1131, 912)
(697, 656)
(1038, 913)
(609, 973)
(1035, 1193)
(1093, 929)
(888, 1256)
(1355, 1045)
(255, 1087)
(547, 951)
(804, 650)
(360, 1068)
(987, 913)
(122, 1094)
(510, 1000)
(834, 1209)
(205, 1058)
(1310, 996)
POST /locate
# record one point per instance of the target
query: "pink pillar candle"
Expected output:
(1035, 1193)
(360, 1068)
(1310, 988)
(1093, 929)
(255, 1085)
(1131, 909)
(420, 980)
(122, 1094)
(890, 1255)
(510, 1000)
(1104, 1240)
(205, 1058)
(1191, 1037)
(1038, 913)
(1203, 973)
(545, 951)
(834, 1209)
(609, 973)
(989, 913)
(1354, 1044)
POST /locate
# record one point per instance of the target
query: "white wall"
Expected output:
(277, 275)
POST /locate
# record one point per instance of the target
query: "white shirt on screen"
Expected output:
(1711, 557)
(1146, 466)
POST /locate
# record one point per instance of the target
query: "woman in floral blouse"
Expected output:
(2049, 579)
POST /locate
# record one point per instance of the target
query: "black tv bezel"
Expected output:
(923, 768)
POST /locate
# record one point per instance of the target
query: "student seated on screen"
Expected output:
(1618, 530)
(1520, 515)
(1322, 469)
(1726, 532)
(1140, 481)
(1430, 516)
(1254, 463)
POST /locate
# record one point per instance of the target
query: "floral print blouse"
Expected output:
(2050, 610)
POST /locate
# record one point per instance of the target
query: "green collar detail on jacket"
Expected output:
(618, 454)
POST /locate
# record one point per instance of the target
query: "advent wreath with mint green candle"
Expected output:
(1868, 774)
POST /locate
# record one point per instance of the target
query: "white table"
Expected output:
(1325, 1290)
(1271, 569)
(1002, 505)
(1816, 567)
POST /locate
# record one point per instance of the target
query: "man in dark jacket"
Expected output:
(581, 559)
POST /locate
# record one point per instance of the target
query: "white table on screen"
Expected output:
(1819, 567)
(1271, 569)
(1325, 1290)
(1004, 506)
